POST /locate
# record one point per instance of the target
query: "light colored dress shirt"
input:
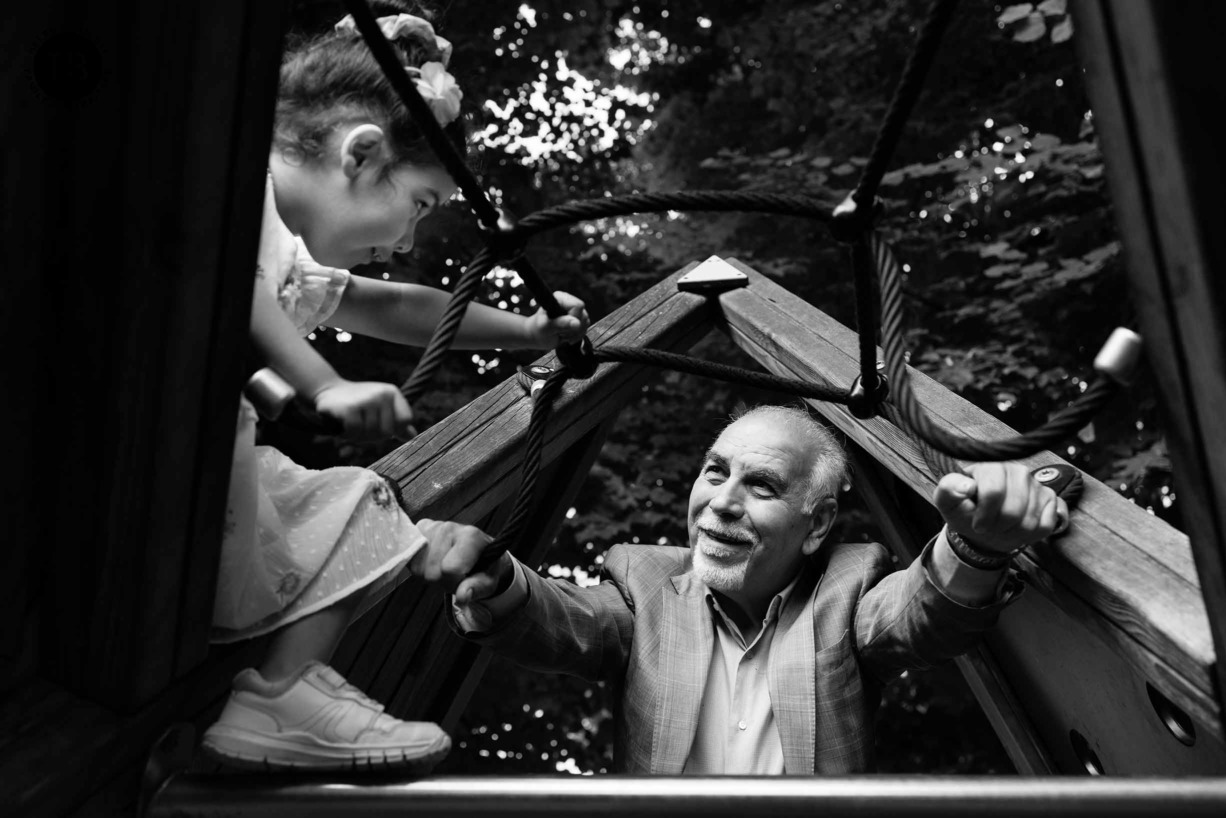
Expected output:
(736, 725)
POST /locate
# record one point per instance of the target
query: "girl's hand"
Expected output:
(367, 409)
(543, 332)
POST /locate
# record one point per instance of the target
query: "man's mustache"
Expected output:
(726, 532)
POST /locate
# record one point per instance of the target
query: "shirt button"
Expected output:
(741, 724)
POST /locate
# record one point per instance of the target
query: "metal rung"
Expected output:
(360, 796)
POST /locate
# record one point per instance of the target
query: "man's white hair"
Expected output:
(829, 469)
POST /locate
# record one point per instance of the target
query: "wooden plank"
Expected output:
(138, 360)
(1130, 571)
(990, 685)
(483, 444)
(1151, 72)
(59, 751)
(437, 692)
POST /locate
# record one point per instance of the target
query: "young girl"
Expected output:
(350, 176)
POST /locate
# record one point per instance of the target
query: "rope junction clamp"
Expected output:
(504, 239)
(850, 220)
(862, 403)
(578, 358)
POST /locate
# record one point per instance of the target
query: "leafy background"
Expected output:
(995, 201)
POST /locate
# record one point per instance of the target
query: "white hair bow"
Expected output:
(437, 87)
(394, 27)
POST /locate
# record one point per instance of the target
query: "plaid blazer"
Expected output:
(851, 624)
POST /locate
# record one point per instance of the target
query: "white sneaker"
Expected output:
(317, 721)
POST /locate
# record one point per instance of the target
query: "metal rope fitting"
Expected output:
(504, 238)
(862, 403)
(269, 393)
(578, 357)
(1118, 357)
(850, 220)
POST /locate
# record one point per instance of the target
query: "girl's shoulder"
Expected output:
(278, 251)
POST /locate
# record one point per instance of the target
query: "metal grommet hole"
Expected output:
(1177, 721)
(1046, 475)
(1086, 756)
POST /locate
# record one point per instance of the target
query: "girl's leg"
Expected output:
(312, 638)
(296, 712)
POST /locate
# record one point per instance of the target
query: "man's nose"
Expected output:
(727, 500)
(406, 243)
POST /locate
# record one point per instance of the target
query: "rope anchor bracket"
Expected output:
(712, 277)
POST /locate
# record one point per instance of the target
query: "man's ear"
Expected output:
(823, 518)
(363, 147)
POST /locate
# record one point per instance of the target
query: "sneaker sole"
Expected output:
(251, 751)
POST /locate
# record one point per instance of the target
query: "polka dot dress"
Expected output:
(297, 540)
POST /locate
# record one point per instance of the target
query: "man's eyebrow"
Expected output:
(762, 473)
(767, 475)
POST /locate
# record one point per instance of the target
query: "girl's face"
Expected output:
(350, 212)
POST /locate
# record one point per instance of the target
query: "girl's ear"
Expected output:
(363, 147)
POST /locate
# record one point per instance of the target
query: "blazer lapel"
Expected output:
(685, 658)
(792, 678)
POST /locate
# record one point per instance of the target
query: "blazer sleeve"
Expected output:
(563, 628)
(905, 621)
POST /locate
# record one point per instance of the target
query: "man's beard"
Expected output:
(718, 575)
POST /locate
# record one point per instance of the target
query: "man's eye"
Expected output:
(763, 490)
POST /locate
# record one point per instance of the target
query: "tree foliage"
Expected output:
(995, 202)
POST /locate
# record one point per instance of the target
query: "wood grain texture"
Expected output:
(906, 533)
(140, 234)
(467, 467)
(1152, 70)
(1129, 573)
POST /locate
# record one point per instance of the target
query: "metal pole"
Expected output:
(242, 796)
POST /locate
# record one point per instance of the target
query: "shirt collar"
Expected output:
(772, 611)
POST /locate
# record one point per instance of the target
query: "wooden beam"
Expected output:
(483, 448)
(1152, 70)
(1121, 572)
(556, 495)
(138, 144)
(58, 751)
(902, 532)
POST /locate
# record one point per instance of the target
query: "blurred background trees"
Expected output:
(996, 204)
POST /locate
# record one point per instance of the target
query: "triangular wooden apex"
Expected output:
(712, 276)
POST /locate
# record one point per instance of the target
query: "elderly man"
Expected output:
(761, 648)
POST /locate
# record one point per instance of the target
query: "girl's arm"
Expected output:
(284, 350)
(364, 408)
(408, 314)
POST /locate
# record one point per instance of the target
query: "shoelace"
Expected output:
(343, 686)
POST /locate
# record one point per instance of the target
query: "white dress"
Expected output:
(297, 540)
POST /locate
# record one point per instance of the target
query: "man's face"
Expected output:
(747, 524)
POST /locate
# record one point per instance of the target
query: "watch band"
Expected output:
(975, 557)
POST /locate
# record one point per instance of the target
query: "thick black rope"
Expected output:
(508, 240)
(406, 89)
(905, 96)
(917, 421)
(525, 502)
(572, 212)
